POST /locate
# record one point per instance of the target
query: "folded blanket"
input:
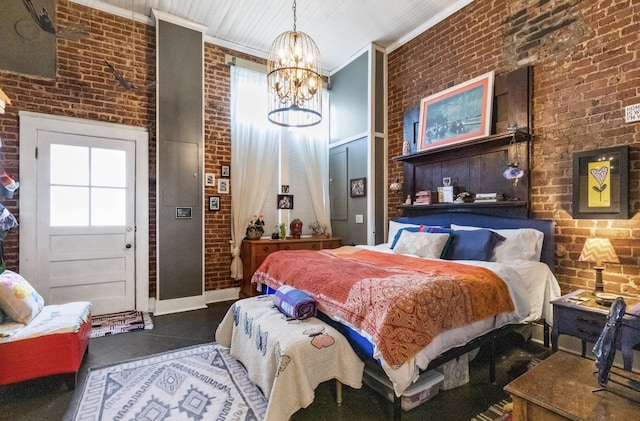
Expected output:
(294, 303)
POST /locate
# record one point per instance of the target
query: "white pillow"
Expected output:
(520, 243)
(394, 227)
(421, 244)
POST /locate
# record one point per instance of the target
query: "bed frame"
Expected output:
(445, 219)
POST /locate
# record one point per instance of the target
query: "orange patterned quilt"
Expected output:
(400, 301)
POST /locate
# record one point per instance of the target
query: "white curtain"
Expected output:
(316, 158)
(254, 154)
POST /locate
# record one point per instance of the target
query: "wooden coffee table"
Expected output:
(562, 387)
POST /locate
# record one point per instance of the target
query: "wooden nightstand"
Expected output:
(577, 314)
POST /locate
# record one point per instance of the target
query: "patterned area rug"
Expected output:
(202, 382)
(495, 412)
(112, 324)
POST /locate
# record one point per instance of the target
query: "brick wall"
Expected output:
(586, 68)
(84, 88)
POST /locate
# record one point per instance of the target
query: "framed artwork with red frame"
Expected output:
(457, 114)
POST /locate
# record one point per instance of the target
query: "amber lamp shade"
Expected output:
(598, 250)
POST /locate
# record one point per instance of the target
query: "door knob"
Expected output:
(128, 246)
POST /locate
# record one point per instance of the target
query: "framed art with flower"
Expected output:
(358, 187)
(601, 184)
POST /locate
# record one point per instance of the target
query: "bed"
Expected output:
(518, 261)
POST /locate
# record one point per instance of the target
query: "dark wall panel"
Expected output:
(180, 161)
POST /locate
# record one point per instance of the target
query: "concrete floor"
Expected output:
(49, 398)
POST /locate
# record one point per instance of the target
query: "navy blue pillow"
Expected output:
(473, 245)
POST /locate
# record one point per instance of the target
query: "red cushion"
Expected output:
(44, 355)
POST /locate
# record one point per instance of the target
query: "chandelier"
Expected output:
(293, 79)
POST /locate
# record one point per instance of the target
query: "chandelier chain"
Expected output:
(294, 15)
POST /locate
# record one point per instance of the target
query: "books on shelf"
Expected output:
(424, 197)
(488, 197)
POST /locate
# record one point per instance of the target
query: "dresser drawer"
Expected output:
(301, 246)
(331, 244)
(264, 249)
(584, 325)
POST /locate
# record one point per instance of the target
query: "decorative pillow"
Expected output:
(18, 299)
(394, 227)
(473, 245)
(421, 228)
(519, 244)
(400, 231)
(421, 244)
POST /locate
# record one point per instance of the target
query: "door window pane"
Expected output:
(108, 206)
(108, 168)
(69, 206)
(69, 165)
(88, 186)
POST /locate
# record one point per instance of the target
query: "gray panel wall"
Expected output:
(379, 104)
(356, 167)
(24, 47)
(379, 187)
(179, 160)
(349, 96)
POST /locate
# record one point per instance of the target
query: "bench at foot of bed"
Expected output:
(287, 358)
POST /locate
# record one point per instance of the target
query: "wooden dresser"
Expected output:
(255, 251)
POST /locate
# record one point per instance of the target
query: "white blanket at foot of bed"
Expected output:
(286, 358)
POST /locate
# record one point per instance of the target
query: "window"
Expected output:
(87, 186)
(290, 165)
(291, 172)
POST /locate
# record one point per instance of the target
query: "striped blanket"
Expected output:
(401, 302)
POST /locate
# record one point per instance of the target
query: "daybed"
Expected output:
(38, 340)
(357, 288)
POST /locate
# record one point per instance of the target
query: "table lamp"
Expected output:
(598, 250)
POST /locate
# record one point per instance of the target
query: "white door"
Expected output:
(86, 220)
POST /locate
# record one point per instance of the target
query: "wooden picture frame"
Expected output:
(209, 179)
(358, 187)
(457, 114)
(601, 184)
(225, 171)
(214, 203)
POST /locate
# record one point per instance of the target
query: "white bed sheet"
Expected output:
(531, 284)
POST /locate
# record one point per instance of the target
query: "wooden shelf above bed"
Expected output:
(477, 166)
(503, 208)
(496, 139)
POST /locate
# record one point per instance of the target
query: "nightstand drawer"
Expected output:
(584, 325)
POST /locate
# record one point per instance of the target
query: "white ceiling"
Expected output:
(341, 28)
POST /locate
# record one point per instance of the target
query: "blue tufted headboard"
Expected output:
(445, 219)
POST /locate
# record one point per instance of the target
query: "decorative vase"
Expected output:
(254, 232)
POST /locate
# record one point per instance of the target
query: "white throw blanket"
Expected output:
(286, 358)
